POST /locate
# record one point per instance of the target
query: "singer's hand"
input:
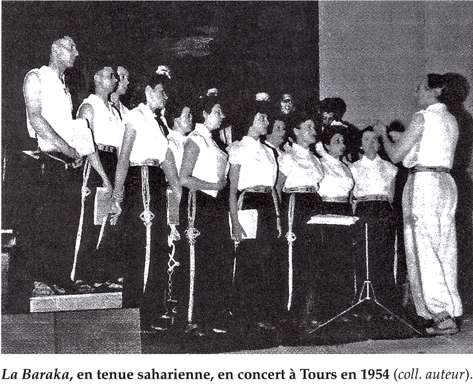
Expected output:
(115, 210)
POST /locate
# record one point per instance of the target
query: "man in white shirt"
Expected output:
(47, 243)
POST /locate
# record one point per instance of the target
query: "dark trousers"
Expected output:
(180, 276)
(48, 213)
(381, 238)
(152, 301)
(256, 265)
(304, 254)
(335, 276)
(213, 259)
(99, 265)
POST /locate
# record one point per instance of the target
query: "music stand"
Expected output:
(366, 295)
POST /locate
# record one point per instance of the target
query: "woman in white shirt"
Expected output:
(179, 117)
(429, 204)
(253, 172)
(140, 187)
(300, 174)
(335, 282)
(204, 173)
(373, 195)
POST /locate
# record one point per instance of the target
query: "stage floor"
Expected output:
(461, 343)
(120, 331)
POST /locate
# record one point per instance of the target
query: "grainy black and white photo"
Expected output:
(245, 177)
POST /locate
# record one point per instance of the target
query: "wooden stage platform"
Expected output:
(85, 331)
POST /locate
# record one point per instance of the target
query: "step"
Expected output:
(71, 302)
(83, 331)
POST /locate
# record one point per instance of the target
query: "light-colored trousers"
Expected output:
(429, 202)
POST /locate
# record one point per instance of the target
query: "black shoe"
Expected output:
(157, 327)
(219, 330)
(195, 330)
(265, 326)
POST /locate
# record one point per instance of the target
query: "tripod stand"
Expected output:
(366, 295)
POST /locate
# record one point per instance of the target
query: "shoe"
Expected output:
(58, 290)
(158, 328)
(444, 325)
(195, 330)
(265, 326)
(114, 286)
(312, 324)
(40, 289)
(101, 287)
(219, 330)
(80, 287)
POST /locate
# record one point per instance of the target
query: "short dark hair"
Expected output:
(455, 89)
(156, 79)
(272, 118)
(298, 119)
(334, 105)
(435, 80)
(256, 107)
(331, 131)
(137, 92)
(174, 109)
(395, 126)
(205, 104)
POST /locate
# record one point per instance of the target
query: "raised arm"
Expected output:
(32, 94)
(398, 150)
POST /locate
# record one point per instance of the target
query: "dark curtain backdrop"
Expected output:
(239, 47)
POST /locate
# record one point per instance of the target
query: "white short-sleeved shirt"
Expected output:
(301, 168)
(56, 108)
(176, 145)
(373, 177)
(337, 181)
(211, 164)
(436, 147)
(257, 163)
(150, 142)
(108, 129)
(278, 151)
(122, 109)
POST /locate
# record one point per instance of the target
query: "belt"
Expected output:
(422, 168)
(336, 199)
(149, 163)
(305, 189)
(373, 198)
(65, 160)
(107, 148)
(259, 189)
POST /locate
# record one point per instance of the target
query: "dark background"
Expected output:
(239, 47)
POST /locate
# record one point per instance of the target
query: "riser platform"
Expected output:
(76, 302)
(87, 331)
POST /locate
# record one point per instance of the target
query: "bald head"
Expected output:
(105, 80)
(64, 52)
